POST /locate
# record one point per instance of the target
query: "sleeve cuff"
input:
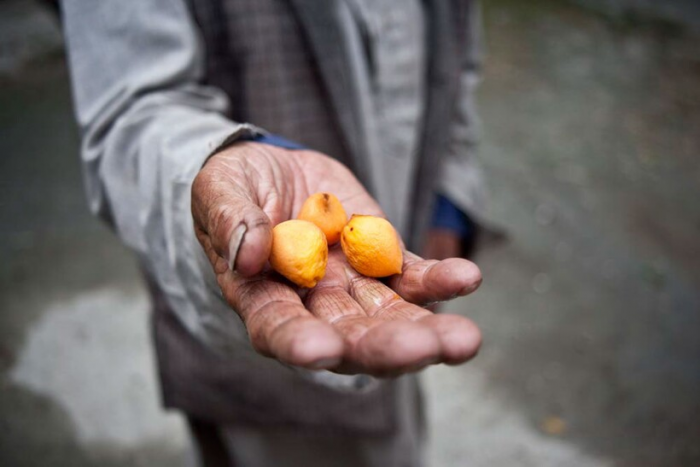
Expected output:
(448, 216)
(275, 140)
(244, 132)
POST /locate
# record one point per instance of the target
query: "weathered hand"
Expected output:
(348, 323)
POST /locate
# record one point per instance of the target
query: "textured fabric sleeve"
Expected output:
(460, 178)
(147, 126)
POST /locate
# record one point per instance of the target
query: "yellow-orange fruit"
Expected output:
(299, 252)
(326, 211)
(372, 246)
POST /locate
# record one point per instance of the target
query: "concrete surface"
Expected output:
(590, 312)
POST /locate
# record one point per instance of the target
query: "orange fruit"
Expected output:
(299, 252)
(326, 211)
(372, 246)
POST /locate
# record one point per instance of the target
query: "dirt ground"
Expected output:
(590, 309)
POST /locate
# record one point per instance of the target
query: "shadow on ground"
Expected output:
(24, 444)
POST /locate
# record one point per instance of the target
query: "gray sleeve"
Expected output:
(147, 126)
(460, 177)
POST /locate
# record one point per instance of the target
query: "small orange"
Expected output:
(299, 252)
(372, 246)
(326, 211)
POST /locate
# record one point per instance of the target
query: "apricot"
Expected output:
(299, 252)
(372, 246)
(326, 211)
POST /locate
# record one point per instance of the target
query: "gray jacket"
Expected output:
(158, 84)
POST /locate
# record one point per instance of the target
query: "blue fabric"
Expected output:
(445, 214)
(275, 140)
(448, 216)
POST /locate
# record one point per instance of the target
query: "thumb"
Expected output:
(230, 223)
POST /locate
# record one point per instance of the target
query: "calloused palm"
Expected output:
(348, 323)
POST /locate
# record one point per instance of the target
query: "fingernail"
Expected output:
(235, 244)
(325, 363)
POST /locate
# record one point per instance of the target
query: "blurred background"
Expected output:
(590, 310)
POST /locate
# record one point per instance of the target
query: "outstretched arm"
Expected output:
(147, 126)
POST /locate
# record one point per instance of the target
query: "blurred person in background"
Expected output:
(207, 122)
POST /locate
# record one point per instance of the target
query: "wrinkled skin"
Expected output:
(348, 323)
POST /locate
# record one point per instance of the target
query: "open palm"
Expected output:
(348, 323)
